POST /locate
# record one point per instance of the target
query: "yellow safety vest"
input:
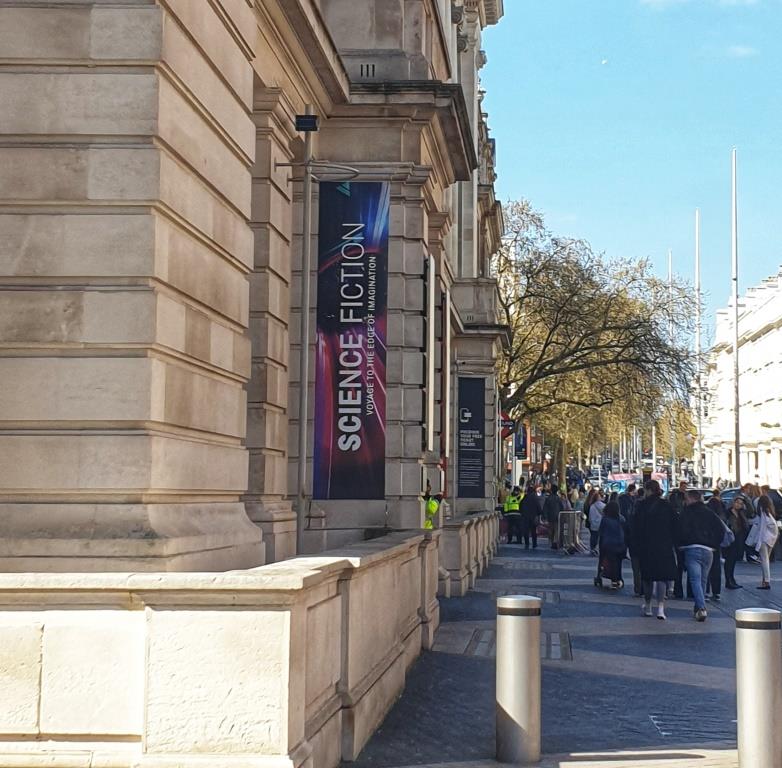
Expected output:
(512, 504)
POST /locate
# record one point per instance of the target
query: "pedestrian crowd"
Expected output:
(663, 538)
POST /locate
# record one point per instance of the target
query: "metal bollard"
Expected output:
(759, 687)
(518, 679)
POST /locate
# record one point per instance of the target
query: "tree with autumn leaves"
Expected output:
(595, 344)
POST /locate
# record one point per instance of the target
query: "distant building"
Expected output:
(760, 389)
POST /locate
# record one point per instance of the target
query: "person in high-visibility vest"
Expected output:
(432, 508)
(512, 512)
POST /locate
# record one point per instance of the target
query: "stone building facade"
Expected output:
(760, 389)
(150, 270)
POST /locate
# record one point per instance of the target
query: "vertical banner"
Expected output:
(520, 443)
(350, 363)
(471, 470)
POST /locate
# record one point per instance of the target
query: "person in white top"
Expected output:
(767, 537)
(595, 518)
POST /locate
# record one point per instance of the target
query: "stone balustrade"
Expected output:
(467, 545)
(287, 665)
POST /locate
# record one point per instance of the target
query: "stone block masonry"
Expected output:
(287, 665)
(124, 303)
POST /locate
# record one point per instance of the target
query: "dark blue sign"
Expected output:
(471, 471)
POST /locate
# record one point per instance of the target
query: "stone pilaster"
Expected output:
(124, 254)
(267, 429)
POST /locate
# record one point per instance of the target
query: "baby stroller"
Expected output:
(609, 566)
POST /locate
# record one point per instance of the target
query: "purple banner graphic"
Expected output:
(350, 362)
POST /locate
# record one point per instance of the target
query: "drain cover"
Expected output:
(553, 645)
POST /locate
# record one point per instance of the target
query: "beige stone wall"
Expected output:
(467, 545)
(292, 664)
(149, 276)
(124, 254)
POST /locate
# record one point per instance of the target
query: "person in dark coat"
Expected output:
(714, 585)
(612, 545)
(552, 506)
(737, 522)
(677, 499)
(627, 502)
(530, 512)
(654, 537)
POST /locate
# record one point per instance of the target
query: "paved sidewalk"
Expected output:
(679, 758)
(612, 679)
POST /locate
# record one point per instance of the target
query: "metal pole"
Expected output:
(734, 220)
(698, 377)
(636, 452)
(758, 686)
(518, 679)
(623, 451)
(670, 333)
(654, 448)
(304, 350)
(455, 437)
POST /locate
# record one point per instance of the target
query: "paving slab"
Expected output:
(619, 689)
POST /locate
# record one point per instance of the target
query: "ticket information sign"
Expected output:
(471, 470)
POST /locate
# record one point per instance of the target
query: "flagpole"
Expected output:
(654, 448)
(670, 332)
(698, 377)
(735, 282)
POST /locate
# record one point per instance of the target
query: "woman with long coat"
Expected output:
(654, 536)
(737, 522)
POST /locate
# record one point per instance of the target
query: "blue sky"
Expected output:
(616, 118)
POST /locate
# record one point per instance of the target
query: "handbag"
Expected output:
(728, 537)
(754, 534)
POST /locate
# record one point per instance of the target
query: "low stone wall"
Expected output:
(291, 664)
(468, 543)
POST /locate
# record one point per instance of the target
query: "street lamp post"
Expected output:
(306, 124)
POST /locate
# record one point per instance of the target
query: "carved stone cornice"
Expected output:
(423, 99)
(489, 11)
